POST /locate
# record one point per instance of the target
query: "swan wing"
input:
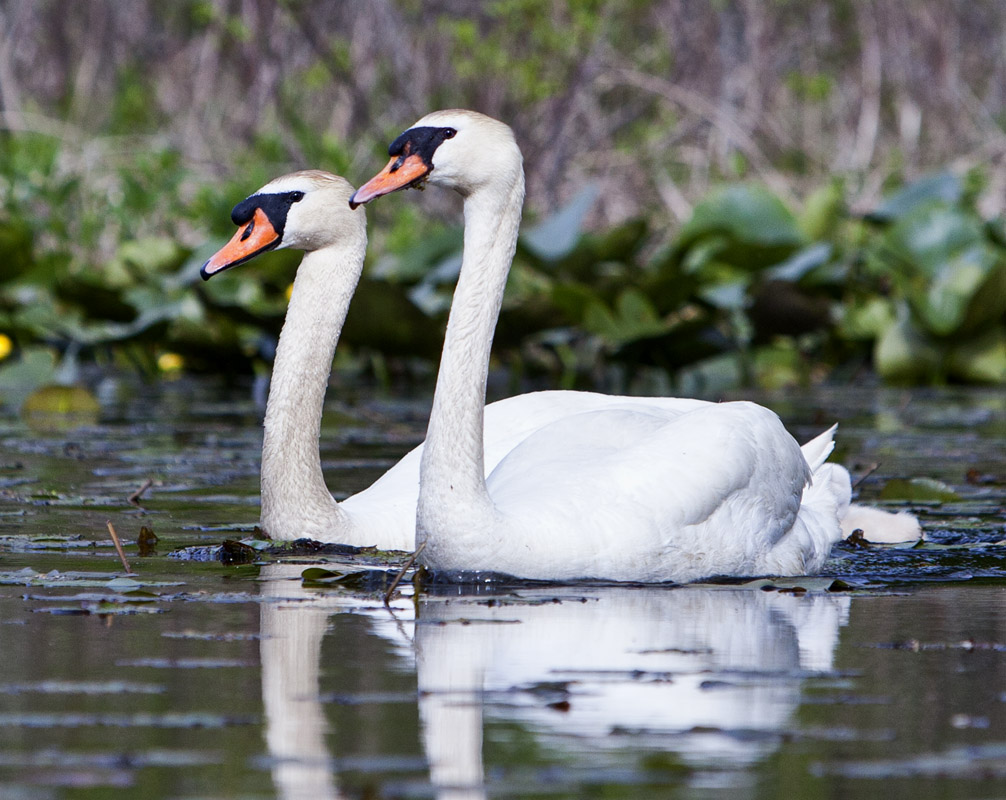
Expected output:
(388, 506)
(817, 450)
(646, 493)
(510, 421)
(553, 431)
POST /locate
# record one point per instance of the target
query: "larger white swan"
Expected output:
(633, 490)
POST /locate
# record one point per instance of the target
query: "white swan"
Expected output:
(308, 211)
(647, 490)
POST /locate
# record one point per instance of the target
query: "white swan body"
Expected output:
(629, 491)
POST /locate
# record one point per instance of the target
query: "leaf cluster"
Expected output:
(747, 290)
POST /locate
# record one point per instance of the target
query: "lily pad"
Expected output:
(982, 360)
(556, 236)
(57, 407)
(918, 490)
(369, 580)
(753, 227)
(905, 355)
(942, 187)
(952, 276)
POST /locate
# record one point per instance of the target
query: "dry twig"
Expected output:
(873, 468)
(134, 498)
(401, 573)
(118, 548)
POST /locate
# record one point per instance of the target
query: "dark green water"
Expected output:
(199, 680)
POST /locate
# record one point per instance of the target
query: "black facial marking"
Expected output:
(275, 206)
(419, 141)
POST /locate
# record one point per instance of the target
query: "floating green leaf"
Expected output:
(632, 318)
(918, 490)
(868, 319)
(822, 211)
(982, 360)
(57, 407)
(953, 278)
(904, 355)
(556, 236)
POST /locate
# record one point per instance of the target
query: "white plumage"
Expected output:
(627, 489)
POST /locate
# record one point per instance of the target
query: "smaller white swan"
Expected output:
(308, 211)
(631, 491)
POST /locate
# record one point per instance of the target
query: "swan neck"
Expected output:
(293, 485)
(453, 472)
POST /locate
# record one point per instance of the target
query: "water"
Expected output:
(199, 680)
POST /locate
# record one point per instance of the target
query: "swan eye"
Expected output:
(450, 133)
(295, 197)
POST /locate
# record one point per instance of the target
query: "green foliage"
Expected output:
(96, 267)
(533, 46)
(748, 290)
(948, 271)
(122, 159)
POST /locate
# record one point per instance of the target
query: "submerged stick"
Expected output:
(873, 468)
(118, 547)
(401, 572)
(134, 498)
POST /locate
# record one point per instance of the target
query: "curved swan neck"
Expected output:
(293, 486)
(452, 473)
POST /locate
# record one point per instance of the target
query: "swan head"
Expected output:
(462, 150)
(304, 210)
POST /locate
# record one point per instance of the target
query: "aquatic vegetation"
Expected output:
(746, 292)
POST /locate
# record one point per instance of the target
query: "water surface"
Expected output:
(193, 679)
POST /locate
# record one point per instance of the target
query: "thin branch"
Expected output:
(134, 498)
(872, 468)
(401, 573)
(697, 104)
(118, 548)
(872, 77)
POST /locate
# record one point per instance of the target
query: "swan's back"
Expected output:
(651, 491)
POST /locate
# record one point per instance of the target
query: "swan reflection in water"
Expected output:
(704, 674)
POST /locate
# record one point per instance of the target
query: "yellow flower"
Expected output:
(170, 362)
(6, 346)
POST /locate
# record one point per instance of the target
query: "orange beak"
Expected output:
(398, 174)
(256, 237)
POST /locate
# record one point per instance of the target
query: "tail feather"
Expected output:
(817, 450)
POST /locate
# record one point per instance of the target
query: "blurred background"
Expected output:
(719, 193)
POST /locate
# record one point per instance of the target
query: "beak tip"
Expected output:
(206, 271)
